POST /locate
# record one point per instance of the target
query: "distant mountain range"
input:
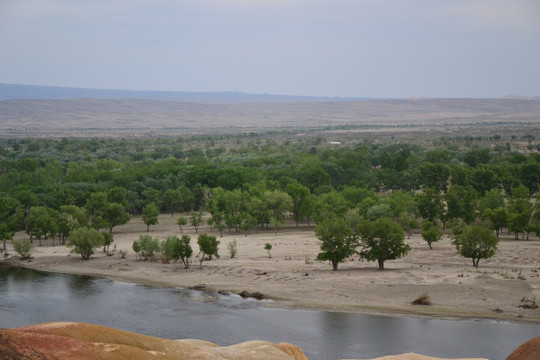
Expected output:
(19, 92)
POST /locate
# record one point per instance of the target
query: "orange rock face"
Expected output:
(61, 340)
(529, 350)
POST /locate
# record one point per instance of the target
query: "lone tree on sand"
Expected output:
(477, 242)
(150, 215)
(338, 240)
(208, 245)
(382, 240)
(431, 232)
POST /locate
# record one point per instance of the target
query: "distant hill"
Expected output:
(51, 111)
(19, 92)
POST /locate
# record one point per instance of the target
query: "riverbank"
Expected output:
(293, 279)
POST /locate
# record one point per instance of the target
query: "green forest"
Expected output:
(49, 187)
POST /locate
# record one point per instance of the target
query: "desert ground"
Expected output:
(292, 278)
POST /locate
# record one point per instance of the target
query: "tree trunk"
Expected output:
(335, 265)
(202, 259)
(381, 264)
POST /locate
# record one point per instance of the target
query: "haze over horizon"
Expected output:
(345, 48)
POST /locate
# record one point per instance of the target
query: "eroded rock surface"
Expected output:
(529, 350)
(68, 340)
(412, 356)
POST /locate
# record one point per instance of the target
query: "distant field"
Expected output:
(150, 117)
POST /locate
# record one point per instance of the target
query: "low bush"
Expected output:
(23, 247)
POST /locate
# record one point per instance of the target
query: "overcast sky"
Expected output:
(359, 48)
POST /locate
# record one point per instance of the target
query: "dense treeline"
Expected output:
(49, 187)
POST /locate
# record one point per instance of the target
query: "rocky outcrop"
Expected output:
(529, 350)
(412, 356)
(67, 340)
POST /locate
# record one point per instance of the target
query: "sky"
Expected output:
(343, 48)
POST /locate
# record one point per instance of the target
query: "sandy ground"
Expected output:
(293, 279)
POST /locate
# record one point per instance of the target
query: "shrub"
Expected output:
(233, 248)
(268, 247)
(422, 300)
(107, 241)
(146, 246)
(84, 241)
(23, 247)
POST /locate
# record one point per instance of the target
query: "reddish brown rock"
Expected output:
(412, 356)
(61, 340)
(529, 350)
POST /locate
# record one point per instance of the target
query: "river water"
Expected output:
(30, 297)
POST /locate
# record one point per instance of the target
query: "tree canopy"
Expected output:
(382, 240)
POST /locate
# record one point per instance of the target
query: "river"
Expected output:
(30, 297)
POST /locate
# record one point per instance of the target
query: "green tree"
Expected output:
(115, 214)
(95, 205)
(208, 245)
(195, 218)
(478, 242)
(408, 223)
(108, 239)
(118, 195)
(456, 230)
(150, 215)
(150, 196)
(529, 175)
(84, 241)
(28, 199)
(434, 176)
(338, 240)
(379, 211)
(11, 218)
(268, 248)
(492, 199)
(431, 232)
(181, 221)
(42, 222)
(6, 233)
(461, 203)
(520, 210)
(475, 157)
(299, 194)
(429, 204)
(401, 202)
(184, 250)
(329, 205)
(382, 240)
(497, 218)
(69, 218)
(172, 200)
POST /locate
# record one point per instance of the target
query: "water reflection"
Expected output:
(81, 286)
(29, 297)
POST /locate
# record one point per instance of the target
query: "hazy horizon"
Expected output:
(345, 48)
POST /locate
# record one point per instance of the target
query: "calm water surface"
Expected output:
(30, 297)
